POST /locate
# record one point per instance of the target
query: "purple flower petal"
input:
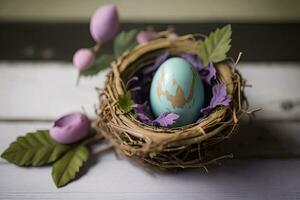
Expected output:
(131, 81)
(144, 115)
(146, 36)
(145, 118)
(70, 128)
(173, 36)
(220, 98)
(166, 119)
(137, 88)
(159, 60)
(143, 112)
(208, 74)
(192, 59)
(140, 107)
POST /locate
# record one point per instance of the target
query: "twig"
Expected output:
(237, 60)
(102, 149)
(90, 140)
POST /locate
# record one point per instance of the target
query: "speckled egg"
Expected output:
(177, 87)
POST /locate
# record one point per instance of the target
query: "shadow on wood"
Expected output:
(264, 139)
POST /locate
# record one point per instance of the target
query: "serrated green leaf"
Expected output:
(34, 149)
(65, 169)
(125, 102)
(125, 41)
(101, 63)
(216, 45)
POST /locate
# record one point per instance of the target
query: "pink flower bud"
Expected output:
(104, 23)
(173, 36)
(83, 59)
(146, 36)
(70, 128)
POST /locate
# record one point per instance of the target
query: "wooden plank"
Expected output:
(42, 91)
(118, 179)
(110, 178)
(252, 140)
(273, 84)
(38, 90)
(264, 139)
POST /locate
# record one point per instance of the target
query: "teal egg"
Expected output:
(176, 87)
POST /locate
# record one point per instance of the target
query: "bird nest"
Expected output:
(189, 146)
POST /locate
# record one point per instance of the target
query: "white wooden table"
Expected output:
(267, 164)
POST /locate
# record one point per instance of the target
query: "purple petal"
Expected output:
(192, 59)
(173, 36)
(131, 81)
(206, 111)
(146, 36)
(159, 60)
(219, 98)
(137, 88)
(142, 111)
(70, 128)
(144, 115)
(166, 119)
(208, 74)
(140, 107)
(145, 118)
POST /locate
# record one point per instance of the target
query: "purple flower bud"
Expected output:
(70, 128)
(104, 23)
(173, 36)
(146, 36)
(83, 59)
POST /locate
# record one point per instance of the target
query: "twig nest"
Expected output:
(187, 146)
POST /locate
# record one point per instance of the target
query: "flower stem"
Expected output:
(102, 149)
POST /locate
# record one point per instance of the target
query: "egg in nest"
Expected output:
(177, 87)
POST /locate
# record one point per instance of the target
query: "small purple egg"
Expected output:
(70, 128)
(83, 59)
(104, 23)
(146, 36)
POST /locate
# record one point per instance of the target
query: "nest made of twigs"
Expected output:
(166, 148)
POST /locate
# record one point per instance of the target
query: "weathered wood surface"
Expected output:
(110, 178)
(44, 91)
(266, 163)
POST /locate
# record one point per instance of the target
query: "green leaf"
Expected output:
(34, 149)
(101, 63)
(125, 102)
(65, 169)
(125, 41)
(216, 45)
